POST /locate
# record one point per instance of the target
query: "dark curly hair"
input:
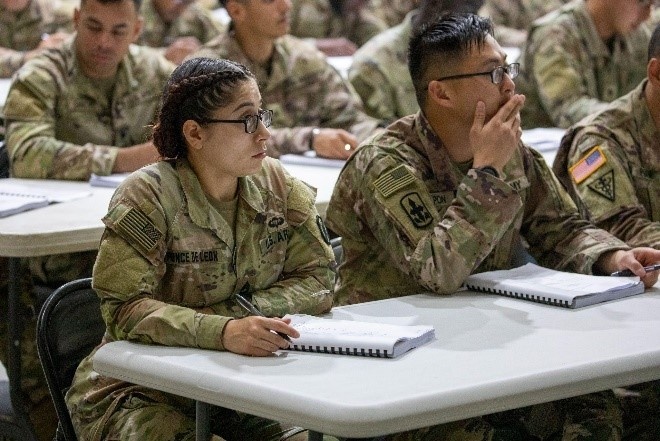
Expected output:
(196, 88)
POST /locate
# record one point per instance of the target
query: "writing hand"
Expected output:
(257, 336)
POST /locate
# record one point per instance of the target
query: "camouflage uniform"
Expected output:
(60, 126)
(567, 71)
(194, 21)
(411, 220)
(379, 73)
(513, 18)
(317, 19)
(392, 12)
(22, 32)
(167, 268)
(623, 194)
(302, 89)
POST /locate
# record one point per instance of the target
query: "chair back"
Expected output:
(4, 160)
(69, 327)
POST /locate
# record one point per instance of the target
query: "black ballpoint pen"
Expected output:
(249, 307)
(628, 273)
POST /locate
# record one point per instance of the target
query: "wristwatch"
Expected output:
(490, 170)
(315, 131)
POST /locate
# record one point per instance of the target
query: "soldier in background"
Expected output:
(27, 27)
(85, 108)
(610, 164)
(221, 218)
(179, 27)
(392, 12)
(314, 107)
(338, 27)
(512, 18)
(79, 109)
(452, 191)
(379, 72)
(581, 57)
(610, 161)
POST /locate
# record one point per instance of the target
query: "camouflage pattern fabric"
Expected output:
(567, 71)
(621, 192)
(302, 89)
(411, 220)
(317, 19)
(592, 417)
(392, 12)
(22, 32)
(195, 21)
(61, 126)
(379, 73)
(167, 268)
(512, 18)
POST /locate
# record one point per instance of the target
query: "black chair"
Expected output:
(4, 160)
(69, 327)
(14, 423)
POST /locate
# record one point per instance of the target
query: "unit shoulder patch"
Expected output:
(604, 186)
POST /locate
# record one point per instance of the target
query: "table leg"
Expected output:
(14, 324)
(314, 436)
(203, 421)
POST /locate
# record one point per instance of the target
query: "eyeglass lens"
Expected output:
(252, 121)
(512, 70)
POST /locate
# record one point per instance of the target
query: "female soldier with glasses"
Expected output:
(214, 218)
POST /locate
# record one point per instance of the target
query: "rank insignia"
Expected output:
(604, 186)
(414, 207)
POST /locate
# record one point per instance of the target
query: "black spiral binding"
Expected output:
(341, 351)
(524, 296)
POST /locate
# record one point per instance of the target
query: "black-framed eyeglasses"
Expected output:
(496, 75)
(251, 122)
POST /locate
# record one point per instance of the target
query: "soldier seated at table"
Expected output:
(451, 191)
(314, 108)
(178, 27)
(28, 27)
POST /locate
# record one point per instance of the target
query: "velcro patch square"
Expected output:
(394, 180)
(136, 227)
(588, 164)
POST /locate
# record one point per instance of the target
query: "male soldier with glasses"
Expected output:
(452, 191)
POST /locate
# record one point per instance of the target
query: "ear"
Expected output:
(439, 93)
(653, 72)
(235, 9)
(192, 132)
(138, 28)
(76, 18)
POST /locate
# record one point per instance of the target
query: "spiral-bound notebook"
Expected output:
(16, 197)
(544, 285)
(347, 337)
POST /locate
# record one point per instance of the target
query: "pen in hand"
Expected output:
(249, 307)
(628, 273)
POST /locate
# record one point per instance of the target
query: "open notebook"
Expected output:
(544, 285)
(16, 197)
(346, 337)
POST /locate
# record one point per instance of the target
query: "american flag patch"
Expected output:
(589, 163)
(394, 180)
